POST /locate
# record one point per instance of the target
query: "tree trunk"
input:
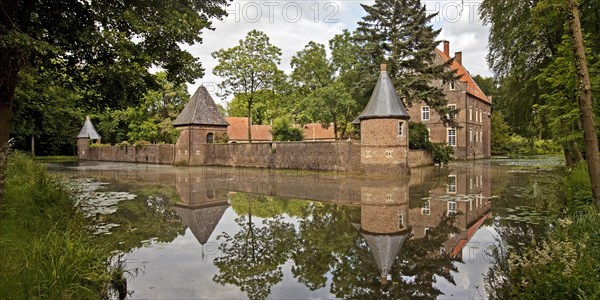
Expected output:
(8, 82)
(250, 120)
(585, 104)
(32, 145)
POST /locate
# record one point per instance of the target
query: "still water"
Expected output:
(224, 233)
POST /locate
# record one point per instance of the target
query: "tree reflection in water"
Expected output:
(323, 242)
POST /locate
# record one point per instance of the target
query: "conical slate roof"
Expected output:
(202, 221)
(385, 248)
(88, 130)
(201, 110)
(384, 102)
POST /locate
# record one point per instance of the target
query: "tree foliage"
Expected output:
(284, 130)
(399, 34)
(248, 68)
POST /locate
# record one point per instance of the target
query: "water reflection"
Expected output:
(263, 232)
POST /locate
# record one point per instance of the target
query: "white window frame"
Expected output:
(453, 107)
(452, 207)
(470, 134)
(449, 140)
(451, 187)
(452, 85)
(425, 209)
(470, 113)
(425, 111)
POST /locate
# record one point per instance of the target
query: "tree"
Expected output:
(106, 47)
(525, 41)
(321, 96)
(500, 134)
(283, 130)
(398, 33)
(585, 103)
(247, 68)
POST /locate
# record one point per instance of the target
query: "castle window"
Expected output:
(470, 113)
(210, 138)
(451, 188)
(452, 108)
(400, 128)
(425, 113)
(452, 136)
(471, 134)
(452, 85)
(425, 208)
(451, 207)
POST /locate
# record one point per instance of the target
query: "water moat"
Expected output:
(225, 233)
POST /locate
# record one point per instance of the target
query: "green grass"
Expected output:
(46, 252)
(56, 159)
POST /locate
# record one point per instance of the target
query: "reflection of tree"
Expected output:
(321, 238)
(413, 273)
(149, 216)
(252, 258)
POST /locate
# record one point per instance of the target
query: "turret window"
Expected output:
(400, 128)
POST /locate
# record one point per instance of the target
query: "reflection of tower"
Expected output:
(201, 207)
(383, 223)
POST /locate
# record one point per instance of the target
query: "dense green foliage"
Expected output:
(566, 263)
(419, 139)
(102, 51)
(284, 130)
(531, 53)
(399, 34)
(46, 250)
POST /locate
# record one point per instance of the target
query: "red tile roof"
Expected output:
(238, 131)
(472, 87)
(315, 131)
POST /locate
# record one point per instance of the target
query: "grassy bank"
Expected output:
(46, 252)
(56, 159)
(565, 264)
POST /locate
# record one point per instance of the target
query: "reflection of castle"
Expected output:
(383, 225)
(465, 192)
(200, 207)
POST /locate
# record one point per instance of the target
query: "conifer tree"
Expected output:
(398, 33)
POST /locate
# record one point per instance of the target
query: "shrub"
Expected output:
(442, 153)
(418, 136)
(221, 138)
(283, 130)
(141, 143)
(98, 145)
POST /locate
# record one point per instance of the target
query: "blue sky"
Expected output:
(292, 24)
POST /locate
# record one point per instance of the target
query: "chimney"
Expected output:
(447, 48)
(383, 67)
(458, 57)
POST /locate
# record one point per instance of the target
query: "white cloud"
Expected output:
(292, 24)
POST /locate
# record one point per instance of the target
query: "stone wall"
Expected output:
(321, 156)
(154, 154)
(419, 158)
(342, 156)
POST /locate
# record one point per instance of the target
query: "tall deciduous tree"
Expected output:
(399, 33)
(248, 68)
(585, 103)
(106, 46)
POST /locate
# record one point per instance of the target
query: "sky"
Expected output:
(292, 24)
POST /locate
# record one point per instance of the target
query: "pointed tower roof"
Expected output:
(88, 131)
(385, 248)
(200, 110)
(202, 221)
(384, 102)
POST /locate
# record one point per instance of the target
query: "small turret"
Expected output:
(384, 130)
(87, 133)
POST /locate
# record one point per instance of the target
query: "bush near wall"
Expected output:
(419, 139)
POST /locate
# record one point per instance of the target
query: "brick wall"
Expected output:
(154, 154)
(322, 156)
